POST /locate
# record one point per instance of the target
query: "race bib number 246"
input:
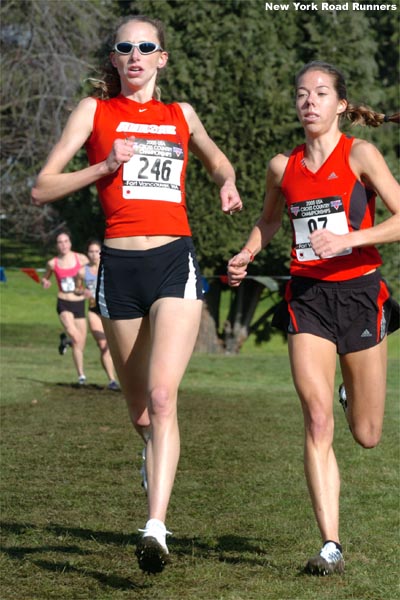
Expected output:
(154, 171)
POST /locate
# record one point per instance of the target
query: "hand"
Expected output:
(326, 244)
(230, 199)
(237, 268)
(121, 152)
(46, 283)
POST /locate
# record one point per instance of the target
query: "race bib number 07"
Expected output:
(320, 213)
(154, 171)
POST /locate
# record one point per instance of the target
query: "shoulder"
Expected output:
(87, 105)
(84, 111)
(277, 166)
(360, 148)
(187, 109)
(83, 259)
(191, 117)
(364, 156)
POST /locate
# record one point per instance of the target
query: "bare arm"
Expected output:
(52, 184)
(370, 166)
(266, 226)
(46, 283)
(214, 160)
(79, 282)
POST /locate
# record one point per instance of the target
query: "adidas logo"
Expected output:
(366, 333)
(333, 175)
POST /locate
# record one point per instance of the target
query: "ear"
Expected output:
(162, 59)
(342, 106)
(112, 59)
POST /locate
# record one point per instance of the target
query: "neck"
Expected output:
(140, 94)
(322, 144)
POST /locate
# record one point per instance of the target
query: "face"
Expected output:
(317, 102)
(93, 253)
(63, 243)
(137, 70)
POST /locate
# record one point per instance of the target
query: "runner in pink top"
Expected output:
(70, 304)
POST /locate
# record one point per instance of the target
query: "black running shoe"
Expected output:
(62, 348)
(151, 555)
(328, 561)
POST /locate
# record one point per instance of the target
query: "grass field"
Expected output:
(241, 519)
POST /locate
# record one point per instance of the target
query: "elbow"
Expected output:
(36, 196)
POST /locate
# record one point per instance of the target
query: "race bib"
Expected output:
(154, 171)
(91, 286)
(320, 213)
(67, 284)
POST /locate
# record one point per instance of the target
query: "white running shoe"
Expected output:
(343, 396)
(328, 561)
(152, 552)
(81, 379)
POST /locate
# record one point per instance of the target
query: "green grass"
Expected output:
(240, 513)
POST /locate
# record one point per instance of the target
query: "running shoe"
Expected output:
(343, 396)
(143, 471)
(81, 379)
(328, 561)
(152, 552)
(113, 385)
(62, 348)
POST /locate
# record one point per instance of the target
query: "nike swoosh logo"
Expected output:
(142, 109)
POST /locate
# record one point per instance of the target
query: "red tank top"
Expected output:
(66, 277)
(334, 198)
(145, 196)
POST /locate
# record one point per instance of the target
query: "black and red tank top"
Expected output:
(334, 198)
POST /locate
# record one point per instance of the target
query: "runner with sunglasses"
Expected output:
(336, 300)
(149, 287)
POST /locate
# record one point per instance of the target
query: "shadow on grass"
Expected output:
(103, 537)
(229, 549)
(111, 581)
(87, 387)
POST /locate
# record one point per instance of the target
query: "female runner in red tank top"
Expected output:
(336, 301)
(70, 306)
(149, 289)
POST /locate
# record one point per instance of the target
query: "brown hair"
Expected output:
(109, 85)
(358, 114)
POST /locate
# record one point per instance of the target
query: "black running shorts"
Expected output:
(77, 307)
(130, 281)
(352, 314)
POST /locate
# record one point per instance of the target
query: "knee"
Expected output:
(102, 346)
(139, 418)
(366, 435)
(319, 426)
(161, 404)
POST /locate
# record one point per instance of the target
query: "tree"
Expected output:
(231, 59)
(46, 49)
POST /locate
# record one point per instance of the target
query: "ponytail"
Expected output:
(360, 114)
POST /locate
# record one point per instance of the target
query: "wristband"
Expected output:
(250, 252)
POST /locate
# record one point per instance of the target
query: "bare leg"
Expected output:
(76, 330)
(150, 356)
(174, 324)
(364, 375)
(98, 334)
(313, 362)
